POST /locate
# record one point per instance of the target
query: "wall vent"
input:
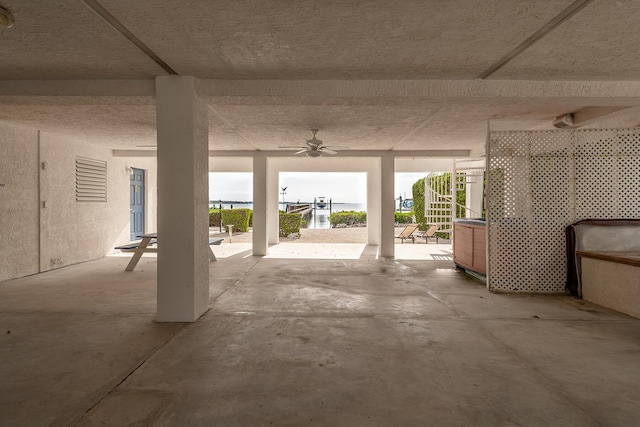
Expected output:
(91, 180)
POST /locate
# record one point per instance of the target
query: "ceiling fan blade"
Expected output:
(291, 146)
(326, 150)
(301, 151)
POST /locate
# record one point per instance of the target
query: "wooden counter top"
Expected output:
(622, 257)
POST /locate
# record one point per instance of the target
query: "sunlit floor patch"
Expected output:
(317, 250)
(226, 250)
(418, 251)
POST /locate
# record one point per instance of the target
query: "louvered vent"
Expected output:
(91, 180)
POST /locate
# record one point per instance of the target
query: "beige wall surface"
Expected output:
(612, 284)
(18, 202)
(42, 226)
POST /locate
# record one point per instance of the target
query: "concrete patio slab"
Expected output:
(594, 362)
(55, 366)
(352, 371)
(297, 341)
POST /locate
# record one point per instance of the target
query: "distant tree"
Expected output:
(417, 191)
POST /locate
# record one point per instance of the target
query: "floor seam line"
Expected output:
(236, 282)
(126, 377)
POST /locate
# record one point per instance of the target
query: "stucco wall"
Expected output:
(42, 226)
(74, 231)
(18, 202)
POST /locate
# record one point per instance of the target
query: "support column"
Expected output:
(183, 193)
(387, 206)
(273, 208)
(260, 197)
(454, 194)
(373, 205)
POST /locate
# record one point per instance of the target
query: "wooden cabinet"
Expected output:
(469, 246)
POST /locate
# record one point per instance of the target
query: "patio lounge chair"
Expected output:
(407, 233)
(431, 234)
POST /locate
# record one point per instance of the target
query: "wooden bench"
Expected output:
(127, 248)
(215, 240)
(132, 247)
(138, 248)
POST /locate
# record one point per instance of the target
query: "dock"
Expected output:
(304, 209)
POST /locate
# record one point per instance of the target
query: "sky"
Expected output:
(341, 187)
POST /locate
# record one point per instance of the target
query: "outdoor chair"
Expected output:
(431, 234)
(407, 233)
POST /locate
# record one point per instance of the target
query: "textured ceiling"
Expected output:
(333, 39)
(64, 39)
(376, 45)
(598, 43)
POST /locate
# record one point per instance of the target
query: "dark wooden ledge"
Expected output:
(622, 257)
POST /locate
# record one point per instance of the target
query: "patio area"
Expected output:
(305, 336)
(111, 122)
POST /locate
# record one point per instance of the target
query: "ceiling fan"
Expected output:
(314, 147)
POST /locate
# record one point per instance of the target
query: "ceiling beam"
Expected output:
(78, 88)
(443, 154)
(407, 89)
(119, 27)
(594, 115)
(563, 16)
(625, 92)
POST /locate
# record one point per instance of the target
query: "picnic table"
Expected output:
(148, 244)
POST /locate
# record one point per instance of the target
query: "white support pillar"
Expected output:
(273, 208)
(387, 206)
(374, 201)
(260, 198)
(454, 194)
(183, 194)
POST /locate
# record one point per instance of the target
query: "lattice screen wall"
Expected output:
(541, 181)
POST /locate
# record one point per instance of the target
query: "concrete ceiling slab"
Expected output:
(336, 39)
(58, 39)
(357, 127)
(376, 75)
(598, 43)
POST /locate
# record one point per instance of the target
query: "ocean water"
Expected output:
(236, 205)
(358, 207)
(335, 207)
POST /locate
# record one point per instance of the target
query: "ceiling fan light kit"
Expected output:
(314, 147)
(6, 18)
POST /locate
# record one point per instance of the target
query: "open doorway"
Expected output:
(231, 189)
(414, 242)
(333, 204)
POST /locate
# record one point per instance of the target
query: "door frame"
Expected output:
(132, 230)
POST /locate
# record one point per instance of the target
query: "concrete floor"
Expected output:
(311, 341)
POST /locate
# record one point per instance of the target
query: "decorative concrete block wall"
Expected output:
(538, 182)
